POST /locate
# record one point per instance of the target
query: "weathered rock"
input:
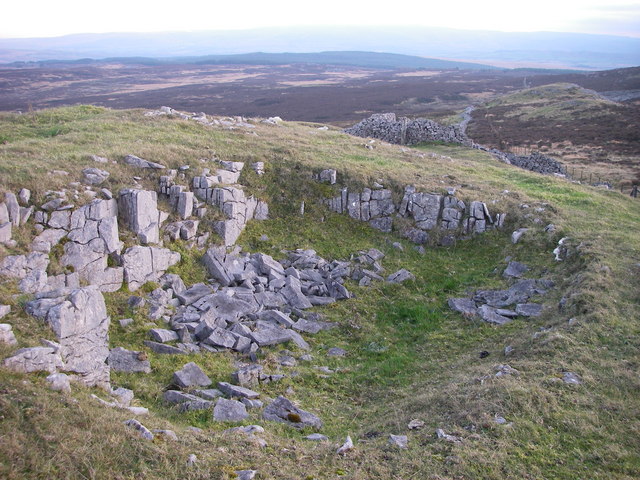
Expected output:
(59, 382)
(336, 352)
(35, 359)
(138, 210)
(141, 163)
(400, 276)
(517, 235)
(529, 309)
(270, 336)
(248, 375)
(317, 437)
(347, 446)
(246, 474)
(440, 433)
(328, 176)
(489, 315)
(194, 293)
(515, 270)
(571, 378)
(399, 441)
(5, 231)
(237, 391)
(163, 335)
(229, 411)
(466, 306)
(176, 397)
(146, 264)
(94, 176)
(123, 360)
(6, 334)
(191, 375)
(141, 429)
(79, 320)
(284, 411)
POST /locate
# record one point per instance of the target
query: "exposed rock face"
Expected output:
(428, 211)
(35, 359)
(93, 236)
(79, 320)
(403, 131)
(138, 210)
(146, 264)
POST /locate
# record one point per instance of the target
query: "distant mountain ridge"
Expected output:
(542, 49)
(354, 59)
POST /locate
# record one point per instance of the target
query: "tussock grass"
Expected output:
(408, 357)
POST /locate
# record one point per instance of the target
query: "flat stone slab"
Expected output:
(191, 375)
(400, 276)
(164, 349)
(529, 309)
(515, 270)
(466, 306)
(270, 336)
(162, 335)
(237, 391)
(229, 411)
(489, 315)
(284, 411)
(123, 360)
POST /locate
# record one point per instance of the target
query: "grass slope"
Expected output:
(409, 355)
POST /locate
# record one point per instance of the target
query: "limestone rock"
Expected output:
(347, 446)
(400, 276)
(35, 359)
(6, 334)
(236, 391)
(515, 270)
(141, 429)
(229, 411)
(529, 309)
(94, 176)
(284, 411)
(123, 360)
(138, 209)
(59, 382)
(466, 306)
(141, 163)
(146, 264)
(79, 320)
(248, 375)
(399, 441)
(191, 375)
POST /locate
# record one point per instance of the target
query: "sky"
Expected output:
(47, 18)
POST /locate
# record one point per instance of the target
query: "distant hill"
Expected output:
(358, 59)
(509, 49)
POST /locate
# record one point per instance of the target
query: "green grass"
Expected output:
(408, 357)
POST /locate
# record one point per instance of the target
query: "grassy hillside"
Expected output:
(583, 128)
(409, 356)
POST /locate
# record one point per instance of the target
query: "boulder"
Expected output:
(35, 359)
(515, 270)
(284, 411)
(466, 306)
(229, 411)
(138, 162)
(123, 360)
(138, 210)
(94, 176)
(191, 375)
(400, 276)
(80, 321)
(146, 264)
(237, 391)
(248, 375)
(6, 334)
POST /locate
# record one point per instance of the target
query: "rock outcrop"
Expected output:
(428, 212)
(80, 322)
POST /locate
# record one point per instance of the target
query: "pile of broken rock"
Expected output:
(502, 306)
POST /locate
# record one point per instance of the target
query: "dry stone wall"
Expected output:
(428, 212)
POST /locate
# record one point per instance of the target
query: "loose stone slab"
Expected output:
(191, 375)
(515, 270)
(284, 411)
(399, 441)
(229, 411)
(123, 360)
(529, 309)
(236, 391)
(466, 306)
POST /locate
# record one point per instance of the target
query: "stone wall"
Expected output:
(427, 212)
(403, 131)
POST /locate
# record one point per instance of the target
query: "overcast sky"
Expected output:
(44, 18)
